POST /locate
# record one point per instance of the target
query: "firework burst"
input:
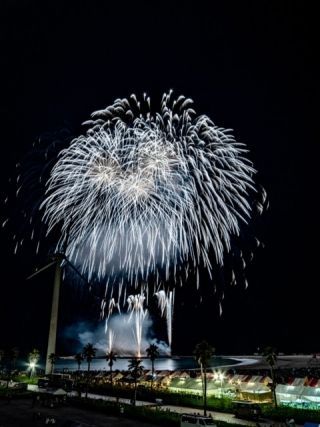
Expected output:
(145, 199)
(143, 192)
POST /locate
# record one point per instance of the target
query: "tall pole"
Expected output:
(54, 314)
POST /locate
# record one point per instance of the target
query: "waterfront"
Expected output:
(174, 363)
(162, 363)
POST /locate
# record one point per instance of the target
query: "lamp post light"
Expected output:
(32, 365)
(219, 376)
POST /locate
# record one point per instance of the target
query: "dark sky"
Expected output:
(250, 66)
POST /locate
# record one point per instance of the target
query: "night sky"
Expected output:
(250, 66)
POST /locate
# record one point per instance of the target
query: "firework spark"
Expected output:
(136, 318)
(143, 192)
(166, 304)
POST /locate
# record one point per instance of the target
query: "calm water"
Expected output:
(162, 363)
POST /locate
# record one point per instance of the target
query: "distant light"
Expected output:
(218, 376)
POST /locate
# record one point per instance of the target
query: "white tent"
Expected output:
(298, 392)
(255, 389)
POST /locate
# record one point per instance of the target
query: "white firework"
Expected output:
(143, 192)
(166, 304)
(137, 317)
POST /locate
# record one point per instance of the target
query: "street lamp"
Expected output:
(32, 365)
(219, 376)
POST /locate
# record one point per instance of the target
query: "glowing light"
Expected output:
(219, 376)
(166, 303)
(137, 317)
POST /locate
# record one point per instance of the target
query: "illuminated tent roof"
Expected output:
(180, 374)
(298, 382)
(300, 390)
(245, 379)
(313, 382)
(117, 376)
(237, 379)
(256, 388)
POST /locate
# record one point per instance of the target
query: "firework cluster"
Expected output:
(143, 193)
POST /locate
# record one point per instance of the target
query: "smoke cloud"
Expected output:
(119, 336)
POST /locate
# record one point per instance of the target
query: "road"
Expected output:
(219, 416)
(21, 413)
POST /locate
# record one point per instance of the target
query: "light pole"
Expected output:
(219, 376)
(32, 366)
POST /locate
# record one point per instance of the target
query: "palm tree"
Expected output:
(136, 370)
(89, 353)
(152, 353)
(270, 356)
(33, 357)
(111, 357)
(79, 358)
(203, 353)
(52, 359)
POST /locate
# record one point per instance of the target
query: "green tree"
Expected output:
(79, 359)
(203, 353)
(52, 359)
(270, 356)
(111, 357)
(152, 353)
(33, 358)
(89, 353)
(136, 371)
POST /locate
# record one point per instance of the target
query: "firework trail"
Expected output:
(137, 317)
(111, 306)
(111, 339)
(143, 192)
(166, 304)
